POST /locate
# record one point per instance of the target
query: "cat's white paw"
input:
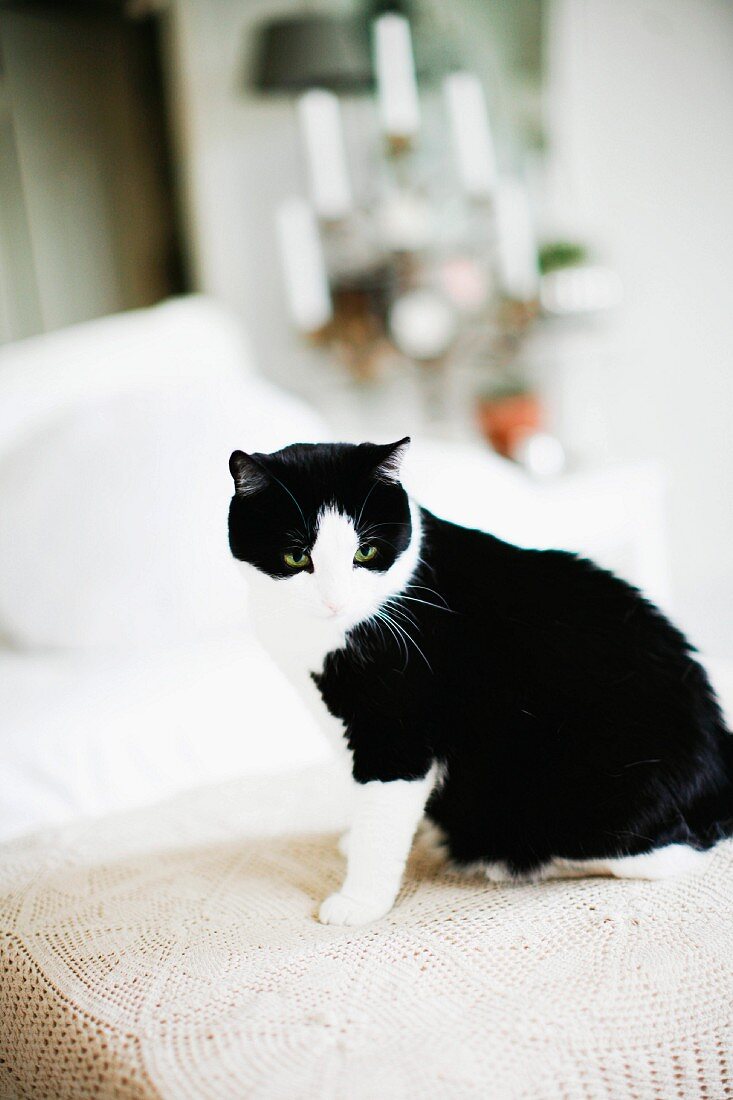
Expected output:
(339, 909)
(343, 842)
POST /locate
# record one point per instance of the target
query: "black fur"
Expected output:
(570, 715)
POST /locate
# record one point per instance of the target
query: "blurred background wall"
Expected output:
(139, 160)
(641, 95)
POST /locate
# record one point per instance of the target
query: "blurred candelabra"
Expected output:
(378, 279)
(416, 274)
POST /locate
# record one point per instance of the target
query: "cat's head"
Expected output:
(329, 524)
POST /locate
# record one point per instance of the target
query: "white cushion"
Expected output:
(114, 506)
(86, 734)
(177, 341)
(114, 482)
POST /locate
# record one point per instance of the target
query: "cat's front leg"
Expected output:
(386, 816)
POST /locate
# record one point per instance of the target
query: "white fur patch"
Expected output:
(332, 555)
(386, 816)
(296, 627)
(307, 615)
(672, 861)
(669, 862)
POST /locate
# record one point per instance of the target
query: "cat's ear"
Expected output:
(389, 463)
(249, 476)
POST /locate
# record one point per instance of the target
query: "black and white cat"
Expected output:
(543, 714)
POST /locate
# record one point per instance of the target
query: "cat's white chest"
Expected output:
(293, 640)
(299, 648)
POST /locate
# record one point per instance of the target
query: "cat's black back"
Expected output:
(569, 716)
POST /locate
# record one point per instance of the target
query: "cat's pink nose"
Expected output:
(334, 608)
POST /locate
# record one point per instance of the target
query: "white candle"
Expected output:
(396, 82)
(517, 244)
(320, 120)
(472, 142)
(303, 263)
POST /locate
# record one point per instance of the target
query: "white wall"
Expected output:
(642, 123)
(239, 157)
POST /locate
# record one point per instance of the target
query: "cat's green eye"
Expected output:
(297, 560)
(365, 553)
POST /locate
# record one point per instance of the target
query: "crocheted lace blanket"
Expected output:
(173, 952)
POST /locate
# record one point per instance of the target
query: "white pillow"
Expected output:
(94, 733)
(179, 341)
(113, 517)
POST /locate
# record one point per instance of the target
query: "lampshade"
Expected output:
(307, 51)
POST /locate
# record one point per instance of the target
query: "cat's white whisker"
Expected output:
(431, 590)
(402, 630)
(400, 644)
(428, 603)
(410, 619)
(295, 502)
(364, 504)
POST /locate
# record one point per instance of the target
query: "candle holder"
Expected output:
(434, 266)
